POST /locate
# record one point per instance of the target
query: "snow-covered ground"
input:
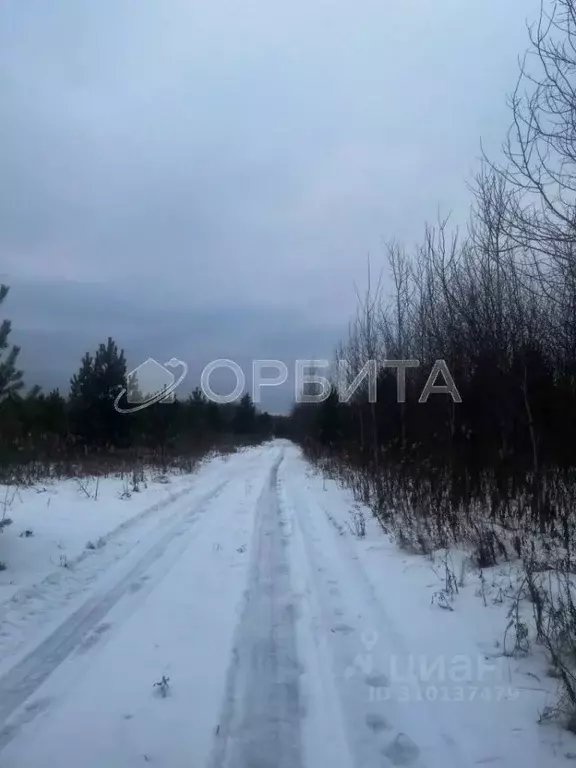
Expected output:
(282, 636)
(54, 523)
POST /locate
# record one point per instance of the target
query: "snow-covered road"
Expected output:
(280, 640)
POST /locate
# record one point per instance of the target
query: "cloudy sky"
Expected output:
(206, 179)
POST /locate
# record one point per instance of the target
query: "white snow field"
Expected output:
(279, 636)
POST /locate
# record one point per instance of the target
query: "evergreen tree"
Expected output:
(10, 376)
(265, 424)
(196, 412)
(244, 419)
(214, 418)
(134, 394)
(92, 393)
(55, 414)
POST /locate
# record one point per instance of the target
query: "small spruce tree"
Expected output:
(10, 377)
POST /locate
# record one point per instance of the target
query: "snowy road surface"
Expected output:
(287, 641)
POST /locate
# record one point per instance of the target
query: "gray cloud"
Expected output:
(220, 171)
(55, 323)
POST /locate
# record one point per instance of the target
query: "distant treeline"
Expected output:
(497, 302)
(50, 426)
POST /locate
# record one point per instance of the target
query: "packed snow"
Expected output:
(249, 615)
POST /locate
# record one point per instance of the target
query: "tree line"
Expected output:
(38, 426)
(494, 470)
(497, 303)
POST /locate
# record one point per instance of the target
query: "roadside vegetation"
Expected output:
(495, 472)
(80, 434)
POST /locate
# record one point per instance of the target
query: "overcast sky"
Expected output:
(207, 179)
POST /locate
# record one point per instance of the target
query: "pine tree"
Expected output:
(134, 395)
(92, 393)
(244, 421)
(10, 376)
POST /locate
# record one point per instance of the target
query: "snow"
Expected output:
(64, 517)
(286, 639)
(449, 688)
(36, 590)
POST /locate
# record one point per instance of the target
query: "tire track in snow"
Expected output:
(260, 721)
(363, 639)
(26, 677)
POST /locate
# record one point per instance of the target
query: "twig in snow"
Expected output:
(163, 686)
(82, 487)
